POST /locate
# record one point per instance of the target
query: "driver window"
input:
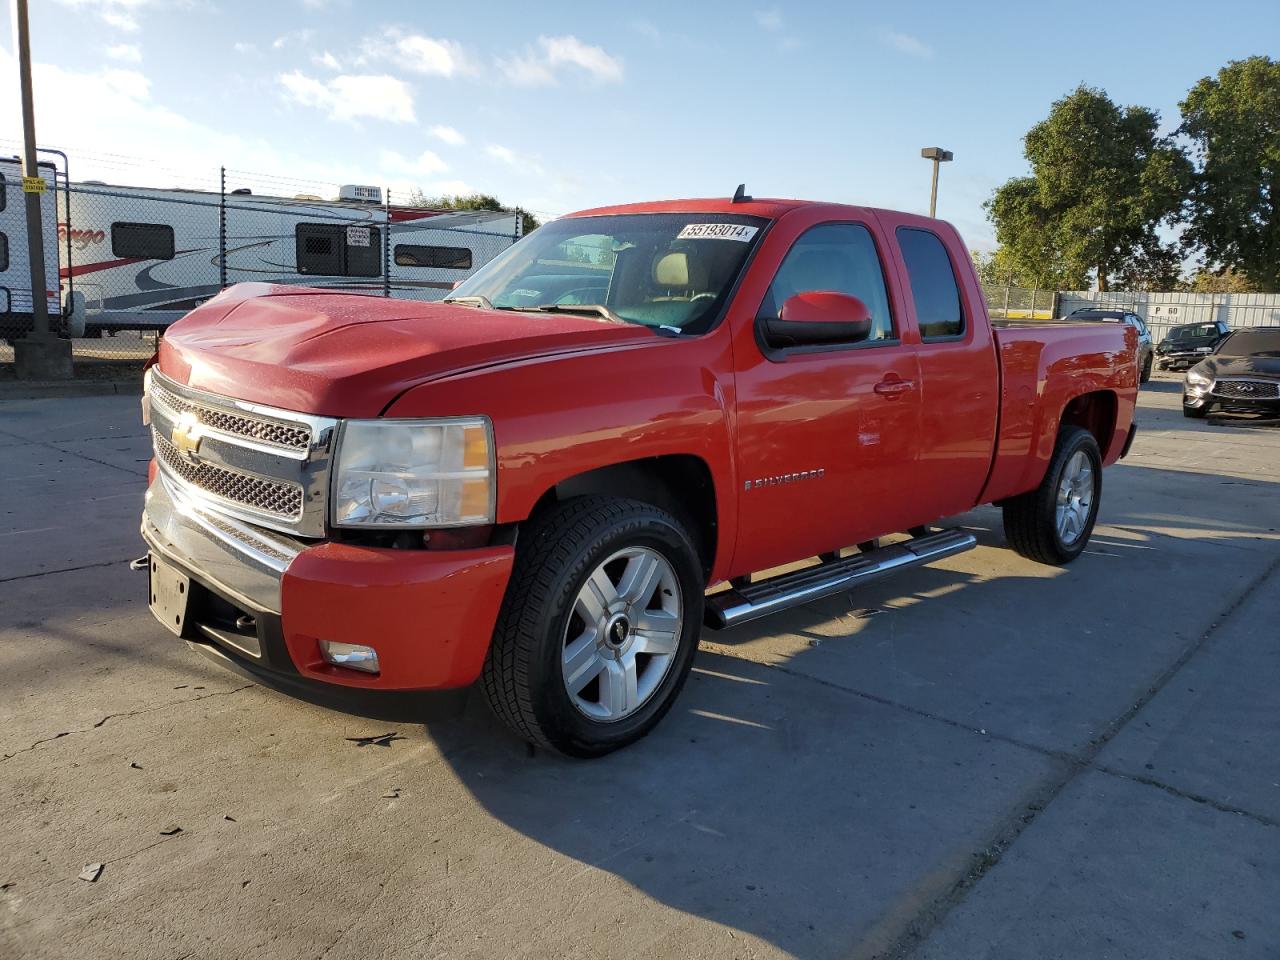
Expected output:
(839, 257)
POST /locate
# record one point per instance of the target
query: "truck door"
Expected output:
(959, 379)
(827, 434)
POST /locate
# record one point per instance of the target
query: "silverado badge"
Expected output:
(187, 434)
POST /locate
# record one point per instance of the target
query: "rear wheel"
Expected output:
(1052, 524)
(598, 628)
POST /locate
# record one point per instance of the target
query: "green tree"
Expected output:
(474, 201)
(1220, 281)
(1101, 182)
(1233, 121)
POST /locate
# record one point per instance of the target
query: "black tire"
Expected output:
(1030, 519)
(555, 553)
(1195, 413)
(1146, 371)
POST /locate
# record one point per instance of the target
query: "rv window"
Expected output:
(4, 253)
(415, 255)
(326, 249)
(4, 192)
(143, 241)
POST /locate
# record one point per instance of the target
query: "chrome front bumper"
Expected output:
(244, 563)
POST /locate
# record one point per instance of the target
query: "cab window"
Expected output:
(836, 257)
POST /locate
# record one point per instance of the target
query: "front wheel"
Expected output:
(1196, 413)
(1146, 371)
(598, 628)
(1052, 524)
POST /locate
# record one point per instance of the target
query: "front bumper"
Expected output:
(267, 599)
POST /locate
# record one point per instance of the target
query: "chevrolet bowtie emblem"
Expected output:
(187, 434)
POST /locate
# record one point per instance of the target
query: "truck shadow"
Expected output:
(827, 771)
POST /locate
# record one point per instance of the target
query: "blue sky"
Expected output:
(558, 106)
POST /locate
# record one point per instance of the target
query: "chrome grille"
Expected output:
(280, 433)
(1247, 390)
(275, 497)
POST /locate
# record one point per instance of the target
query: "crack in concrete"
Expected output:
(127, 713)
(49, 445)
(48, 573)
(915, 930)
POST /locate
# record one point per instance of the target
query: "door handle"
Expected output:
(892, 388)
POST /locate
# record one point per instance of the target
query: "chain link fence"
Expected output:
(132, 260)
(1008, 302)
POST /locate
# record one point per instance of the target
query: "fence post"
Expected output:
(222, 227)
(1007, 284)
(386, 244)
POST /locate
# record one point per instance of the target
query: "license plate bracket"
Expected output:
(170, 594)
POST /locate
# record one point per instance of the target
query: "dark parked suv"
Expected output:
(1188, 344)
(1146, 350)
(1242, 375)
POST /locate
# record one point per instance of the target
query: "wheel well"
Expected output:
(679, 483)
(1096, 412)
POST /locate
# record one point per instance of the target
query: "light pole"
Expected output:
(938, 156)
(41, 355)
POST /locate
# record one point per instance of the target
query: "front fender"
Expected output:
(557, 417)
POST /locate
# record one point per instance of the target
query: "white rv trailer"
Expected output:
(16, 300)
(141, 258)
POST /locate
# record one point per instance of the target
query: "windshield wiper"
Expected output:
(475, 301)
(599, 309)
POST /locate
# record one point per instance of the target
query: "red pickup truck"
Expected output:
(614, 432)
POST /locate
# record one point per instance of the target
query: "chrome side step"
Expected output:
(751, 601)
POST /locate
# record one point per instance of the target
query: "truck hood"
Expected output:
(346, 355)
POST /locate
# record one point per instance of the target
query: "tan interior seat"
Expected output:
(678, 275)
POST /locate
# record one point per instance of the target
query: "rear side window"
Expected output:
(4, 253)
(4, 192)
(142, 241)
(933, 284)
(417, 255)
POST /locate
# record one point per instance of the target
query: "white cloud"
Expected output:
(245, 48)
(448, 134)
(292, 37)
(120, 14)
(908, 44)
(770, 19)
(417, 53)
(327, 60)
(499, 152)
(540, 66)
(125, 53)
(127, 83)
(349, 97)
(427, 164)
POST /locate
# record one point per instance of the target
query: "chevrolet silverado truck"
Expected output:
(613, 434)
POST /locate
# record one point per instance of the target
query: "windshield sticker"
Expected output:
(717, 231)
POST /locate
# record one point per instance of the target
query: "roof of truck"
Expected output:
(768, 207)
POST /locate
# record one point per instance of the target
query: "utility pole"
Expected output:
(938, 156)
(40, 356)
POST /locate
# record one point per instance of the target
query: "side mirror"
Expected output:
(819, 316)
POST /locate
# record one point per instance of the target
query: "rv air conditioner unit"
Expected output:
(361, 194)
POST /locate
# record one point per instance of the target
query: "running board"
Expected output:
(754, 600)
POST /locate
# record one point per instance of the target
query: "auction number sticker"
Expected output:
(717, 231)
(357, 236)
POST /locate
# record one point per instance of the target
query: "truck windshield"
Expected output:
(668, 270)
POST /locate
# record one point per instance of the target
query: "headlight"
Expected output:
(414, 473)
(1204, 349)
(1198, 381)
(146, 398)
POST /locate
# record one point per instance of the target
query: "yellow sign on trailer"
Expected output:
(33, 184)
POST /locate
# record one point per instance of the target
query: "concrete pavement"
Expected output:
(983, 758)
